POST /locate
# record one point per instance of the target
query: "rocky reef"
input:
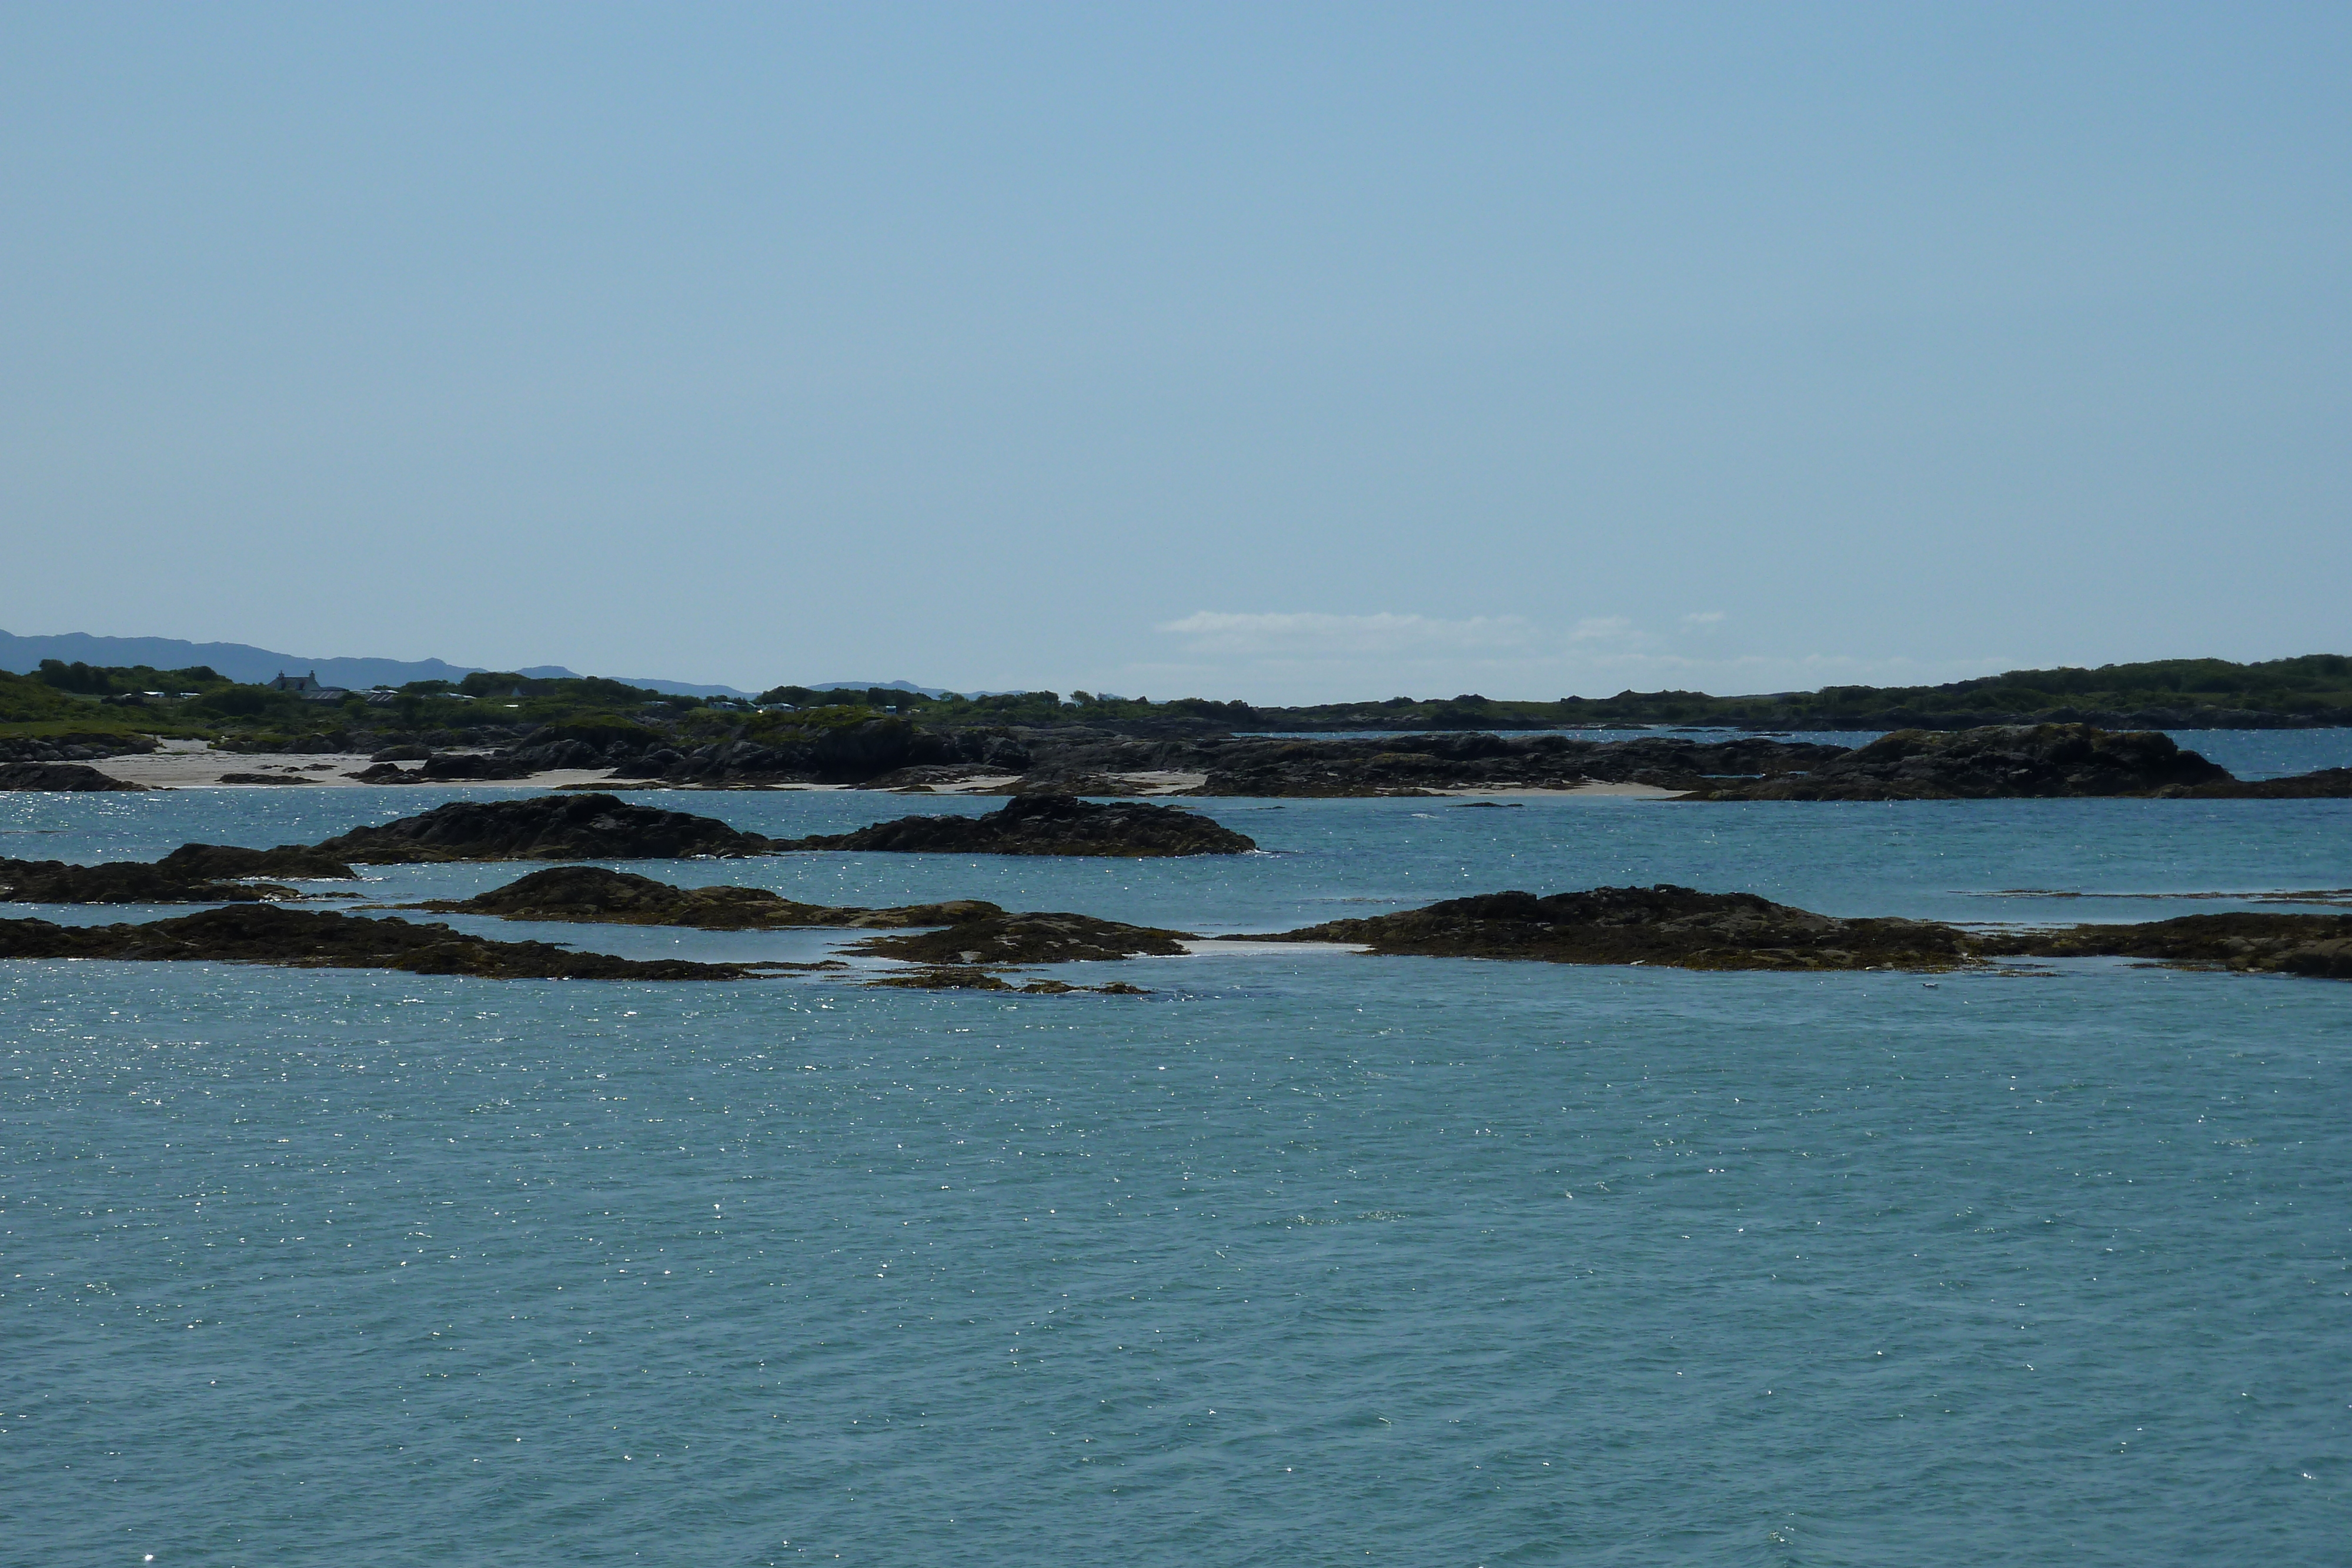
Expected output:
(121, 882)
(1662, 925)
(300, 862)
(998, 938)
(75, 776)
(594, 895)
(315, 939)
(1044, 825)
(969, 979)
(2326, 784)
(1997, 762)
(2317, 946)
(1684, 928)
(543, 828)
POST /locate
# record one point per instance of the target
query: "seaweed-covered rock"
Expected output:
(263, 933)
(1997, 762)
(544, 828)
(300, 862)
(76, 776)
(2326, 784)
(970, 980)
(2318, 946)
(596, 895)
(1027, 938)
(1044, 825)
(1662, 925)
(120, 882)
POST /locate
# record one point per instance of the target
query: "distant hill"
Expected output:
(244, 662)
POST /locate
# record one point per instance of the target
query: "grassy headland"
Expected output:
(66, 704)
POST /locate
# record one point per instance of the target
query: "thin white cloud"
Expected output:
(1597, 628)
(1309, 634)
(1703, 617)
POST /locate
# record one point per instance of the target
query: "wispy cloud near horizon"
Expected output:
(1310, 635)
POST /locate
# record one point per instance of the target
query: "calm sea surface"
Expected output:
(1303, 1258)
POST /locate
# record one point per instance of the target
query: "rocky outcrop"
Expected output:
(1427, 764)
(543, 828)
(1684, 928)
(1999, 762)
(120, 882)
(998, 938)
(262, 934)
(74, 776)
(1044, 825)
(72, 748)
(2318, 946)
(299, 863)
(596, 895)
(2326, 784)
(1662, 925)
(458, 767)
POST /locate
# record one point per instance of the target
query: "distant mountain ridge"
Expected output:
(244, 662)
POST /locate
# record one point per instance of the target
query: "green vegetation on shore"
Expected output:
(77, 701)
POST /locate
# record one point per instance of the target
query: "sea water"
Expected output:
(1304, 1258)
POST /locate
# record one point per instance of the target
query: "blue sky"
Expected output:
(1285, 352)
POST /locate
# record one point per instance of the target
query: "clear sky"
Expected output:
(1281, 352)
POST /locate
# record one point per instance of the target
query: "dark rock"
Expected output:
(264, 779)
(1663, 924)
(1692, 930)
(298, 861)
(559, 754)
(76, 776)
(2318, 946)
(450, 768)
(969, 979)
(1030, 938)
(120, 882)
(2328, 784)
(596, 895)
(409, 752)
(1997, 762)
(385, 773)
(1044, 825)
(543, 828)
(1429, 763)
(263, 933)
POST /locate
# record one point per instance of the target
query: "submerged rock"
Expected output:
(120, 882)
(597, 895)
(969, 979)
(1662, 925)
(1997, 762)
(1028, 938)
(77, 775)
(1044, 825)
(543, 828)
(312, 939)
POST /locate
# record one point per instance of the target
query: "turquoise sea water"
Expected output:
(1305, 1257)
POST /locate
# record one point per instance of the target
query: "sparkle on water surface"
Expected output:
(1302, 1258)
